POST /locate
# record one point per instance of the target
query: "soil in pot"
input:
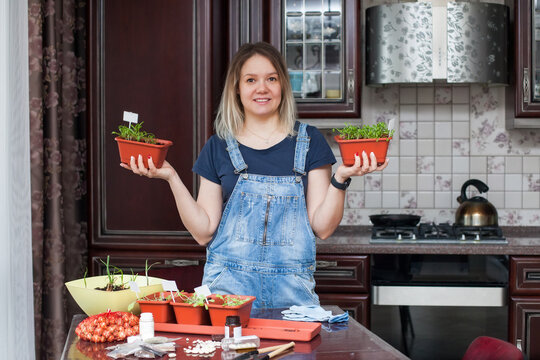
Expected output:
(219, 308)
(158, 305)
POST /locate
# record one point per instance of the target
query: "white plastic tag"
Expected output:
(203, 290)
(134, 287)
(391, 124)
(131, 117)
(169, 285)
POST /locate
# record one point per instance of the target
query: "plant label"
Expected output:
(134, 287)
(169, 285)
(203, 290)
(131, 117)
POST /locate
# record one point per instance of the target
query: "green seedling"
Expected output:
(193, 299)
(376, 131)
(133, 276)
(110, 275)
(135, 133)
(146, 268)
(84, 276)
(231, 300)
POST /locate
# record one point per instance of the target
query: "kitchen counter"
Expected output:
(335, 341)
(355, 240)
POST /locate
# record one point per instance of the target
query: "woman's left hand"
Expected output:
(368, 165)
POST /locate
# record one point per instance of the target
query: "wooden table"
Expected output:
(336, 341)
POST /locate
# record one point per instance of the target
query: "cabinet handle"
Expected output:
(321, 264)
(532, 276)
(350, 86)
(526, 89)
(518, 345)
(182, 262)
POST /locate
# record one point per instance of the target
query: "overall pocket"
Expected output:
(250, 217)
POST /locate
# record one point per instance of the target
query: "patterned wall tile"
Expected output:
(408, 200)
(443, 95)
(355, 199)
(443, 182)
(407, 130)
(531, 182)
(495, 164)
(372, 181)
(425, 164)
(460, 147)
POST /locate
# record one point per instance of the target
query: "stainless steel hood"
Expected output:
(419, 42)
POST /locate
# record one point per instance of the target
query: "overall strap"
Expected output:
(302, 147)
(235, 155)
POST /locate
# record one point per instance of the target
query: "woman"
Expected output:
(265, 187)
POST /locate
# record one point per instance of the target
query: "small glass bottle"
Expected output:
(146, 325)
(233, 328)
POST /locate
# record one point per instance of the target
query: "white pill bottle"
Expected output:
(146, 325)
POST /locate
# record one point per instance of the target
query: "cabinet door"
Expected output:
(356, 304)
(184, 268)
(342, 274)
(320, 40)
(525, 275)
(527, 59)
(524, 325)
(143, 59)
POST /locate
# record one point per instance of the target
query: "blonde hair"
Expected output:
(230, 117)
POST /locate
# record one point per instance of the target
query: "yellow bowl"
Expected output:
(93, 301)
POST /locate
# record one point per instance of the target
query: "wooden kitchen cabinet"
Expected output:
(320, 41)
(343, 280)
(523, 94)
(524, 319)
(154, 59)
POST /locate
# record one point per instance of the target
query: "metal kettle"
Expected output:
(476, 211)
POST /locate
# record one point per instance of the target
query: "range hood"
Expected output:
(420, 42)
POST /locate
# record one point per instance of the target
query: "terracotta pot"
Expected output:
(129, 148)
(189, 314)
(161, 310)
(219, 312)
(348, 148)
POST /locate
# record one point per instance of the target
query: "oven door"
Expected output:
(434, 306)
(440, 280)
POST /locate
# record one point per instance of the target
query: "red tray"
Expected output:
(263, 328)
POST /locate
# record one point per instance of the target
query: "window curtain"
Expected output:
(16, 311)
(56, 34)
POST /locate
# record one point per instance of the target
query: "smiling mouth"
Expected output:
(262, 100)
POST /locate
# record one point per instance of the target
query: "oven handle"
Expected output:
(440, 296)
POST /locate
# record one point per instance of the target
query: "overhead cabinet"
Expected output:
(320, 41)
(523, 96)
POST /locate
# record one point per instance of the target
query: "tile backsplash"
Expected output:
(446, 134)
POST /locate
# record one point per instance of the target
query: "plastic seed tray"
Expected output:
(263, 328)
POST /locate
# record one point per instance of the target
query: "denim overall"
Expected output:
(264, 245)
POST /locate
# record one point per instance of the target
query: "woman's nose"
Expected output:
(261, 86)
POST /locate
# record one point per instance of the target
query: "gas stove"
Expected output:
(431, 233)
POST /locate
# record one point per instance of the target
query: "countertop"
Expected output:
(356, 240)
(335, 341)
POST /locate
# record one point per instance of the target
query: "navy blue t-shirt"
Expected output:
(215, 164)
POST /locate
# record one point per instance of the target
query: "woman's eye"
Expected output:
(272, 78)
(250, 80)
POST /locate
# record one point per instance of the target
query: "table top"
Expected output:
(336, 341)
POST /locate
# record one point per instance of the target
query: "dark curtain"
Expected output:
(58, 158)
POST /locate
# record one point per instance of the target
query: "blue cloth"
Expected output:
(264, 245)
(313, 313)
(215, 165)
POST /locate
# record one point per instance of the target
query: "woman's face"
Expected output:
(259, 87)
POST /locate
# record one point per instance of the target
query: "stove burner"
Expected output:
(438, 233)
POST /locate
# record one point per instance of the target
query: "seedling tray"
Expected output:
(263, 328)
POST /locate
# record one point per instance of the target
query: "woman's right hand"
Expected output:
(165, 172)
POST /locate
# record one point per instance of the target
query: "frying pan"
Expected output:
(394, 220)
